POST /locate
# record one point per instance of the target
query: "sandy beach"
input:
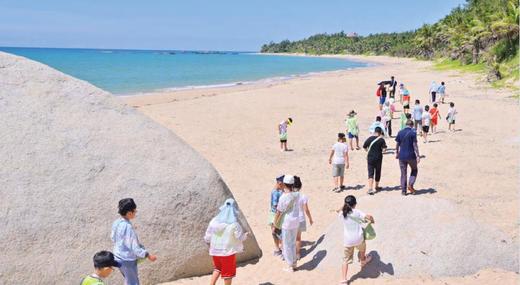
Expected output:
(475, 169)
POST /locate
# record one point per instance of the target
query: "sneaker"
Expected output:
(411, 189)
(342, 187)
(403, 193)
(371, 191)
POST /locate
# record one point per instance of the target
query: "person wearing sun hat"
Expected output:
(282, 133)
(288, 211)
(352, 129)
(225, 236)
(104, 263)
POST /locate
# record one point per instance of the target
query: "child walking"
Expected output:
(282, 133)
(127, 248)
(276, 193)
(288, 211)
(434, 112)
(452, 112)
(417, 115)
(353, 237)
(405, 99)
(225, 236)
(426, 119)
(303, 203)
(352, 129)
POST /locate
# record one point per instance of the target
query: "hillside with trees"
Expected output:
(480, 32)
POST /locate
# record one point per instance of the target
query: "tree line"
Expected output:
(480, 31)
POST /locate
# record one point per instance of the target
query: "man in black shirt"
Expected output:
(374, 145)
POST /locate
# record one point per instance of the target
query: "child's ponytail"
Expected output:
(350, 202)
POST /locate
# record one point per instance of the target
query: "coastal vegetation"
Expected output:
(480, 35)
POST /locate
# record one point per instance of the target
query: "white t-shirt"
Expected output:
(282, 127)
(339, 153)
(288, 205)
(303, 200)
(352, 230)
(451, 114)
(426, 118)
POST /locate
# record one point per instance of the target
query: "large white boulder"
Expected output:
(68, 153)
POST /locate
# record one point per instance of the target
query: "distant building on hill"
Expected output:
(352, 35)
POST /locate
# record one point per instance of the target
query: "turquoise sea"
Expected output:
(133, 71)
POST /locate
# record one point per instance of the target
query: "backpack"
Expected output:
(378, 92)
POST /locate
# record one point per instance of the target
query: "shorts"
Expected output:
(351, 136)
(382, 100)
(302, 227)
(406, 107)
(283, 141)
(425, 129)
(338, 170)
(225, 265)
(348, 256)
(451, 122)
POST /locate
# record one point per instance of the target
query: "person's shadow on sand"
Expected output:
(313, 263)
(374, 269)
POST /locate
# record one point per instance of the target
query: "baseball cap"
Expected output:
(105, 259)
(288, 179)
(279, 178)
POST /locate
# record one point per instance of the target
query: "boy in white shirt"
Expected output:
(339, 160)
(426, 120)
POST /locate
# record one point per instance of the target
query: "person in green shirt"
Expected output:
(405, 117)
(103, 264)
(352, 129)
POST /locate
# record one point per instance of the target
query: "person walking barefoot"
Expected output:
(353, 237)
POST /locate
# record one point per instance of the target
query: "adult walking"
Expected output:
(393, 86)
(225, 236)
(288, 211)
(375, 146)
(407, 151)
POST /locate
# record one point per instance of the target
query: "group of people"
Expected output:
(289, 207)
(288, 210)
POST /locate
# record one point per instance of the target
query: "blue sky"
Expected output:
(203, 25)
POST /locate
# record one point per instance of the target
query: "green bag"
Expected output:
(368, 232)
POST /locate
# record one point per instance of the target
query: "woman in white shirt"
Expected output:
(288, 213)
(353, 235)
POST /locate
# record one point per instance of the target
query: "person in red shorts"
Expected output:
(225, 236)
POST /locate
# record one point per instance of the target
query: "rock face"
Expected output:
(69, 152)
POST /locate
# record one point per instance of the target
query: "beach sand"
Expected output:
(475, 168)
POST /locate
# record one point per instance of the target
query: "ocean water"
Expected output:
(134, 71)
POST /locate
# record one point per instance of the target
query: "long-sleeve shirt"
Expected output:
(126, 242)
(224, 239)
